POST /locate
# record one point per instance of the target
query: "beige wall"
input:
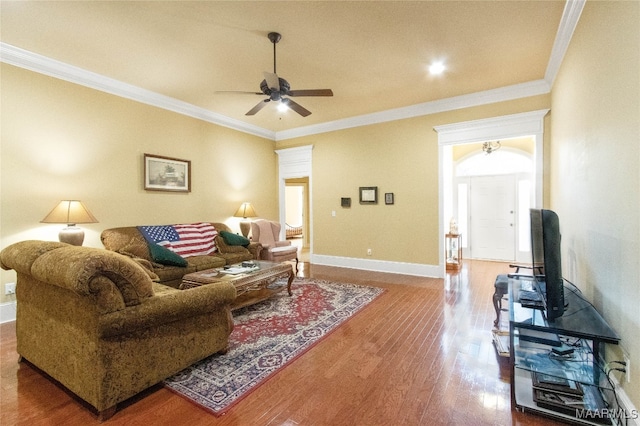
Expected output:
(595, 168)
(61, 141)
(399, 157)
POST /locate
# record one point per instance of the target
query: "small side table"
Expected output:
(453, 251)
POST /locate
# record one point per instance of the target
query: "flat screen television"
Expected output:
(545, 251)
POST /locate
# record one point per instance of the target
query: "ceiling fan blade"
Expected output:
(296, 107)
(311, 92)
(272, 80)
(238, 92)
(258, 107)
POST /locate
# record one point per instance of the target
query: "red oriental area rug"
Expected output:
(268, 336)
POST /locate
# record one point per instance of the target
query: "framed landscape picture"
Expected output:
(166, 174)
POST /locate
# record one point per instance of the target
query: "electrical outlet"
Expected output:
(627, 367)
(369, 252)
(10, 288)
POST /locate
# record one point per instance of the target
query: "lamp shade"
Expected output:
(246, 210)
(69, 212)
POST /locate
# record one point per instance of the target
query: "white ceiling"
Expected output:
(373, 54)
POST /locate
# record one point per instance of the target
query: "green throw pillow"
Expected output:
(165, 256)
(234, 239)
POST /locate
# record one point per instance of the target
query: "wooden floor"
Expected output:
(419, 355)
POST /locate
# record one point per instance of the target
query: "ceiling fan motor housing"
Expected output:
(275, 94)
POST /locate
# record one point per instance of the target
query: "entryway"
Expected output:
(493, 197)
(296, 212)
(455, 201)
(294, 169)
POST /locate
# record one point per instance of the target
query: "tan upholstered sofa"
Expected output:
(130, 242)
(94, 321)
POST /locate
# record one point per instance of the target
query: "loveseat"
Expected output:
(94, 321)
(229, 249)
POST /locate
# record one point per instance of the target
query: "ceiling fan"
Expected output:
(278, 89)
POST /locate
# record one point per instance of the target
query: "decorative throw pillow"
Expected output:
(165, 256)
(234, 239)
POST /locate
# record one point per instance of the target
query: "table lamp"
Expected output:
(70, 212)
(246, 210)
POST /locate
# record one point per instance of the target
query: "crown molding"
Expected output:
(507, 93)
(34, 62)
(568, 22)
(41, 64)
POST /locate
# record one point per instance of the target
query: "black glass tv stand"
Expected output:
(557, 366)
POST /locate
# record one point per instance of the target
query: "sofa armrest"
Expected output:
(82, 270)
(168, 305)
(255, 249)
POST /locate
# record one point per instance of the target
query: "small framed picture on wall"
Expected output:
(368, 195)
(388, 198)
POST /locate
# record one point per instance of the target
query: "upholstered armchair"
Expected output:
(267, 233)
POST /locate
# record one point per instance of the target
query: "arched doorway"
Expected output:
(496, 128)
(492, 195)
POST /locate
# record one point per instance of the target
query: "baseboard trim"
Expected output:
(417, 269)
(629, 410)
(7, 312)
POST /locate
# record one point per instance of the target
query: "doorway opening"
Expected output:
(528, 124)
(296, 211)
(294, 170)
(492, 195)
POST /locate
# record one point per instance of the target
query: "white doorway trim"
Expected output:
(294, 163)
(503, 127)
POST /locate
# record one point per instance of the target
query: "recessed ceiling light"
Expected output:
(436, 68)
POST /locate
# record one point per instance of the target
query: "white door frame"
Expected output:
(503, 127)
(294, 163)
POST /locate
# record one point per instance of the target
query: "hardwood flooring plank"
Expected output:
(421, 354)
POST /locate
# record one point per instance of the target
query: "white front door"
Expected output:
(492, 208)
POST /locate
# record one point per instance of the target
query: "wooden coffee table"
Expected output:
(251, 286)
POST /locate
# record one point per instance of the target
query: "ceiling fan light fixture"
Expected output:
(282, 106)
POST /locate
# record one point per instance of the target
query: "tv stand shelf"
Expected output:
(564, 358)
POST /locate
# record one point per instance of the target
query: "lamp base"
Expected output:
(245, 227)
(71, 235)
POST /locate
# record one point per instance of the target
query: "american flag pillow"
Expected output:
(192, 239)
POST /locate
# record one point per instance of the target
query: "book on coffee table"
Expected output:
(239, 270)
